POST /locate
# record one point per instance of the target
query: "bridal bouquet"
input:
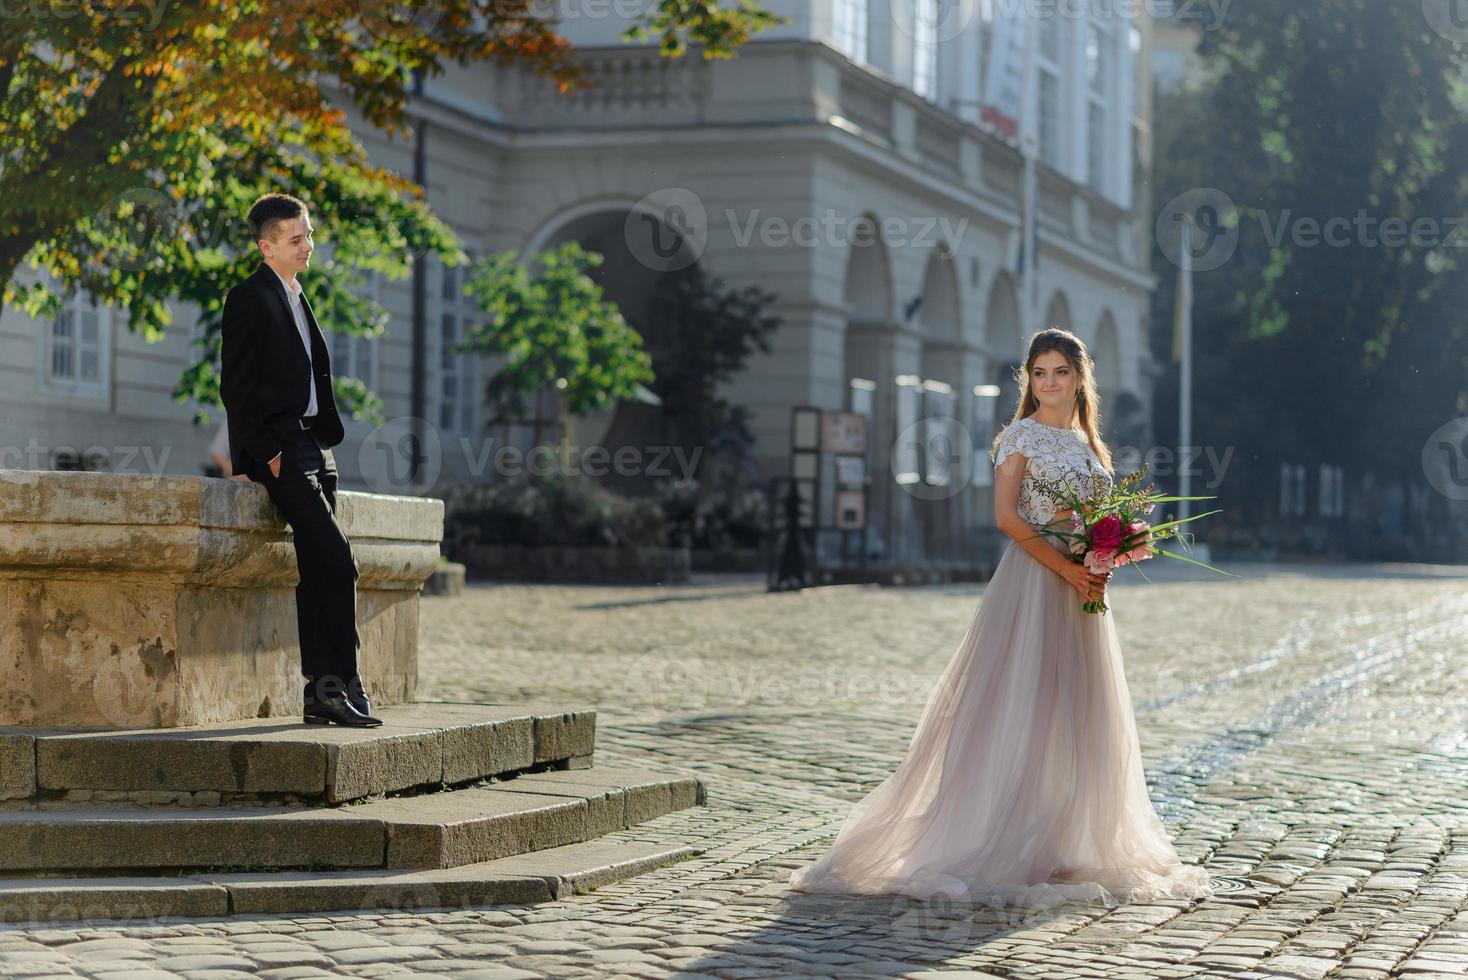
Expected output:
(1108, 530)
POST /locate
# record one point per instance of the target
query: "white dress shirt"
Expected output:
(293, 294)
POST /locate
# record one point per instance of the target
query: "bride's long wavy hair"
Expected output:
(1088, 405)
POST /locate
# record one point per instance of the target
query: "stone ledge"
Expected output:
(479, 825)
(95, 838)
(578, 868)
(571, 735)
(520, 880)
(61, 497)
(420, 744)
(41, 902)
(531, 812)
(640, 795)
(198, 531)
(129, 600)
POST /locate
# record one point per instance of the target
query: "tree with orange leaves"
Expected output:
(135, 133)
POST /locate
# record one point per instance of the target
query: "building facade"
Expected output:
(859, 162)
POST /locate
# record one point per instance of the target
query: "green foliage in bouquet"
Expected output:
(1113, 529)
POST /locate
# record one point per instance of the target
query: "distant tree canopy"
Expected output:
(1337, 128)
(134, 135)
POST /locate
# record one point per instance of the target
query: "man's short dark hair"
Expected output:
(270, 211)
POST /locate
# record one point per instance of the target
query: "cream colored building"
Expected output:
(763, 169)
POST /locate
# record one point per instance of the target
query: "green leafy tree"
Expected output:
(1315, 340)
(553, 330)
(134, 136)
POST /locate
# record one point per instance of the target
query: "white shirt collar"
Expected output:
(292, 289)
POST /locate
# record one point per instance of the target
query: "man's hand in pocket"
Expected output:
(275, 466)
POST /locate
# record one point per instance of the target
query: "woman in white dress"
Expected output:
(1023, 782)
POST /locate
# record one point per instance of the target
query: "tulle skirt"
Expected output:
(1023, 783)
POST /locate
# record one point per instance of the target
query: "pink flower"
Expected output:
(1139, 550)
(1107, 533)
(1101, 562)
(1136, 554)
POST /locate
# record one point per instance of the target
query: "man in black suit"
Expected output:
(282, 417)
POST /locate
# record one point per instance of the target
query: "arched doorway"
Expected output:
(1005, 350)
(1005, 347)
(1057, 312)
(869, 368)
(640, 289)
(937, 503)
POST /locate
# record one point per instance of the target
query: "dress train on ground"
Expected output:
(1023, 782)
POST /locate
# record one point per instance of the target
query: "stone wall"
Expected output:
(141, 601)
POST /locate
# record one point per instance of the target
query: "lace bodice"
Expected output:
(1055, 455)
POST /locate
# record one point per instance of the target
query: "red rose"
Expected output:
(1107, 533)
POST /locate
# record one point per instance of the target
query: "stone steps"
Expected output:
(445, 805)
(530, 812)
(421, 744)
(523, 879)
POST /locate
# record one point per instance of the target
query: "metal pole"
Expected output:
(419, 386)
(1028, 148)
(1185, 387)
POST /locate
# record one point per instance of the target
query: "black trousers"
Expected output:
(326, 597)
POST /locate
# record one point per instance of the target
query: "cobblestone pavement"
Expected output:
(1305, 734)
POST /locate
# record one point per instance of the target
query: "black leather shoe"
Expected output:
(356, 696)
(338, 711)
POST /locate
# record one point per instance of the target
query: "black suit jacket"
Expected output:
(264, 372)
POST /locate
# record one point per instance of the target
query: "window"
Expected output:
(1098, 88)
(925, 14)
(1098, 52)
(458, 379)
(1292, 489)
(1050, 36)
(1332, 491)
(1096, 147)
(76, 348)
(1048, 63)
(1140, 83)
(356, 357)
(1050, 118)
(351, 356)
(850, 28)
